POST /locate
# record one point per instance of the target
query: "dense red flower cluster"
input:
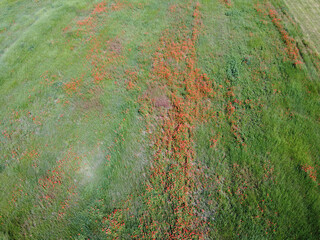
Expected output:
(290, 42)
(100, 7)
(73, 86)
(312, 173)
(170, 192)
(114, 224)
(227, 2)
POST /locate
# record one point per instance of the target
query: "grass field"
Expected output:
(148, 119)
(307, 15)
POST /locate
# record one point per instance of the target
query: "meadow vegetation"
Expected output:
(148, 119)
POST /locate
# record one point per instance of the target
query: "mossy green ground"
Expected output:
(261, 178)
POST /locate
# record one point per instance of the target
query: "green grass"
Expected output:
(101, 136)
(88, 124)
(274, 138)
